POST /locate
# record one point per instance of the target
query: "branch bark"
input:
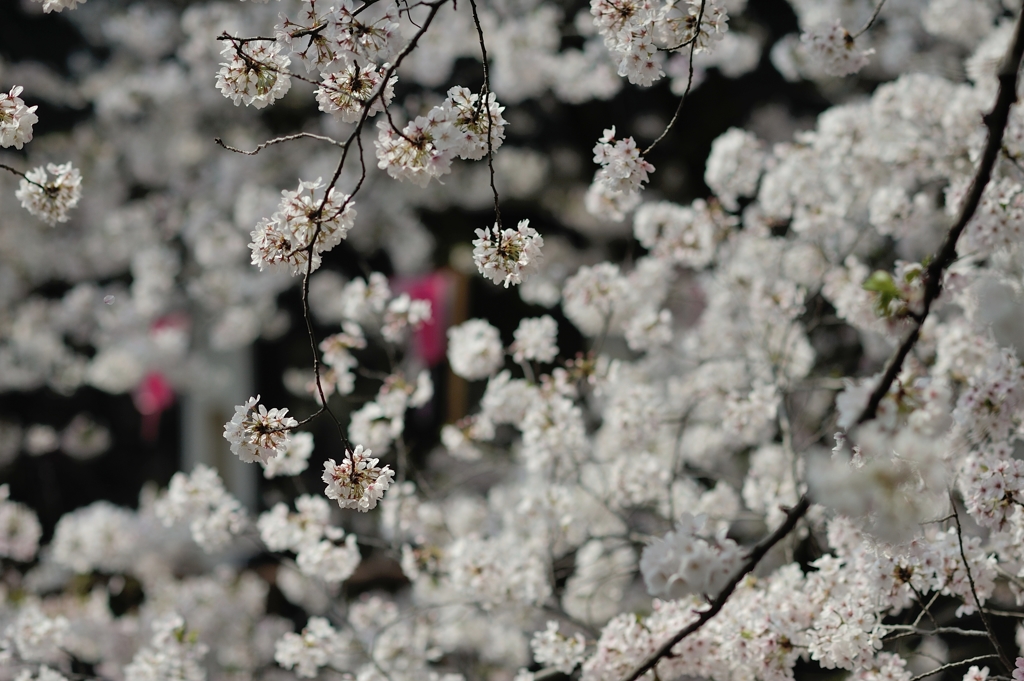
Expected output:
(793, 516)
(995, 121)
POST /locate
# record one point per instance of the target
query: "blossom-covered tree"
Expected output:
(754, 414)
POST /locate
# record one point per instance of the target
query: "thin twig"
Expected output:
(871, 21)
(25, 177)
(276, 140)
(1014, 159)
(951, 665)
(318, 214)
(925, 609)
(908, 630)
(793, 516)
(1003, 657)
(689, 83)
(1003, 613)
(996, 124)
(254, 39)
(485, 108)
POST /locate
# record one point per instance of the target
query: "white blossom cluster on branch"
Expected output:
(758, 422)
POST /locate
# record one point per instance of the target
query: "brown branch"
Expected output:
(951, 665)
(1003, 657)
(793, 516)
(318, 214)
(50, 190)
(276, 140)
(995, 121)
(484, 106)
(689, 83)
(871, 21)
(259, 38)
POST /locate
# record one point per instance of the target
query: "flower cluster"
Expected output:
(506, 256)
(475, 350)
(59, 5)
(630, 29)
(172, 653)
(616, 187)
(304, 226)
(214, 515)
(258, 434)
(16, 119)
(346, 93)
(311, 536)
(256, 73)
(536, 340)
(685, 562)
(20, 530)
(664, 405)
(553, 649)
(357, 482)
(50, 200)
(700, 22)
(425, 148)
(319, 645)
(835, 49)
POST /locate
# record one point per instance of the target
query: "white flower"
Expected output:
(591, 296)
(422, 150)
(649, 329)
(506, 256)
(474, 349)
(308, 40)
(47, 674)
(552, 649)
(287, 235)
(373, 35)
(50, 200)
(258, 434)
(346, 93)
(328, 562)
(835, 49)
(99, 536)
(684, 562)
(293, 460)
(317, 646)
(19, 529)
(16, 119)
(536, 339)
(402, 314)
(171, 654)
(214, 516)
(734, 166)
(616, 186)
(281, 530)
(681, 234)
(466, 115)
(357, 482)
(257, 74)
(36, 637)
(678, 24)
(623, 169)
(59, 5)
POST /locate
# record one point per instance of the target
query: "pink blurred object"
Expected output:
(152, 396)
(438, 287)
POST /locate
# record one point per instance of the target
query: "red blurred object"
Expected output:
(439, 288)
(152, 396)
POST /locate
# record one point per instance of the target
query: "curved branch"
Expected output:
(793, 516)
(276, 140)
(689, 82)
